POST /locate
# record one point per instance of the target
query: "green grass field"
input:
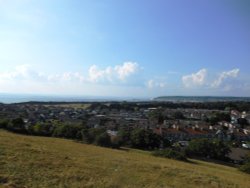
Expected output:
(27, 161)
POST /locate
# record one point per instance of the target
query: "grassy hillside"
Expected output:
(27, 161)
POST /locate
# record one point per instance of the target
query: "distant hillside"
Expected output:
(200, 99)
(27, 161)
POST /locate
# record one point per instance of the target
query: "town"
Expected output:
(175, 124)
(210, 131)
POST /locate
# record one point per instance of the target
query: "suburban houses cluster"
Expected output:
(191, 123)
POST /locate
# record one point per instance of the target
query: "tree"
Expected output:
(103, 139)
(43, 129)
(145, 139)
(152, 140)
(157, 116)
(165, 142)
(17, 125)
(215, 149)
(199, 147)
(68, 131)
(220, 150)
(86, 138)
(137, 138)
(246, 166)
(243, 122)
(213, 120)
(124, 137)
(217, 117)
(94, 132)
(178, 115)
(97, 136)
(4, 123)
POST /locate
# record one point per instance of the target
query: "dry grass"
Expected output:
(27, 161)
(70, 105)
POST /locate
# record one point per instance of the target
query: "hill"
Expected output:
(200, 99)
(27, 161)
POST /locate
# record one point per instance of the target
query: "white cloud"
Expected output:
(195, 79)
(21, 72)
(126, 69)
(118, 74)
(224, 81)
(24, 79)
(96, 74)
(223, 76)
(26, 73)
(66, 77)
(155, 84)
(111, 74)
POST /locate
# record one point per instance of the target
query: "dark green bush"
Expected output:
(171, 154)
(67, 131)
(17, 125)
(43, 129)
(214, 149)
(145, 139)
(245, 168)
(103, 140)
(4, 123)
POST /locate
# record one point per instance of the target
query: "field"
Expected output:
(70, 105)
(27, 161)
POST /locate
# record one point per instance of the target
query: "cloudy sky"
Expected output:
(130, 48)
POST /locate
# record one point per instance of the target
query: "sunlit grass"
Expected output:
(70, 105)
(51, 162)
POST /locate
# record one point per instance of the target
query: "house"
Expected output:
(241, 135)
(112, 133)
(173, 134)
(196, 133)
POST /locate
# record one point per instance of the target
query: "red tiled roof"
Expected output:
(193, 131)
(168, 130)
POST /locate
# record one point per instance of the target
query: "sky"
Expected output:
(125, 48)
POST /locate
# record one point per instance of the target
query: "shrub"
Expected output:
(214, 149)
(171, 154)
(103, 140)
(145, 139)
(97, 136)
(4, 123)
(43, 129)
(124, 137)
(178, 115)
(67, 131)
(245, 168)
(17, 125)
(93, 133)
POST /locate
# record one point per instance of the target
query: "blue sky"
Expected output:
(125, 48)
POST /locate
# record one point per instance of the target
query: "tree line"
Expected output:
(144, 139)
(135, 138)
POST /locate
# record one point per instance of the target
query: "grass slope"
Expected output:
(27, 161)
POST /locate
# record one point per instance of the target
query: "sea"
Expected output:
(19, 98)
(201, 99)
